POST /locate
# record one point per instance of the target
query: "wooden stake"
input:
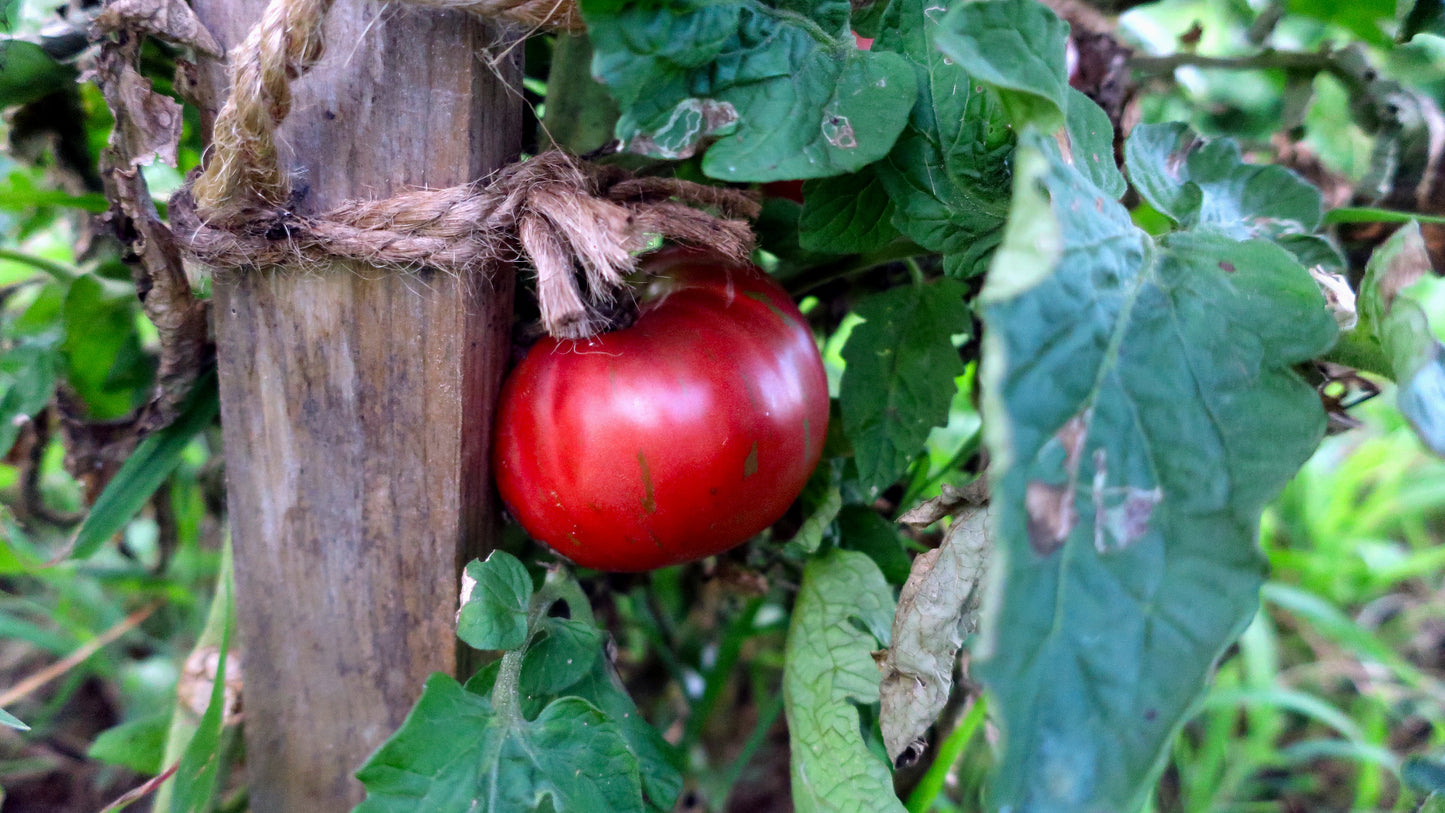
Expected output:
(357, 404)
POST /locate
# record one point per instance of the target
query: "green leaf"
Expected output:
(455, 752)
(104, 360)
(138, 744)
(849, 214)
(899, 378)
(1139, 411)
(842, 614)
(948, 175)
(500, 743)
(198, 776)
(146, 468)
(1391, 315)
(862, 529)
(11, 721)
(822, 498)
(27, 374)
(659, 761)
(27, 73)
(560, 655)
(1017, 46)
(1200, 182)
(495, 596)
(781, 85)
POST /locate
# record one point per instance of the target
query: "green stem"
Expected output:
(558, 586)
(1323, 61)
(949, 753)
(729, 651)
(915, 272)
(1365, 214)
(750, 748)
(60, 271)
(507, 692)
(848, 266)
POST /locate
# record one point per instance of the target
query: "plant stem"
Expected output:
(60, 271)
(1323, 61)
(921, 799)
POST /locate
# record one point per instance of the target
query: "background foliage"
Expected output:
(1125, 335)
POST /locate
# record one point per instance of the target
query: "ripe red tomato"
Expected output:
(673, 439)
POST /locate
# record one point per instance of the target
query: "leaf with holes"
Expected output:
(1140, 410)
(495, 597)
(781, 86)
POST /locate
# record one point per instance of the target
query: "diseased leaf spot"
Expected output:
(1227, 266)
(1121, 513)
(649, 504)
(750, 466)
(1050, 506)
(839, 132)
(1051, 515)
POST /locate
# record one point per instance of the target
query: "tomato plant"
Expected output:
(673, 439)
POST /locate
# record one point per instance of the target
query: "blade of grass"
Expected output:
(949, 753)
(144, 471)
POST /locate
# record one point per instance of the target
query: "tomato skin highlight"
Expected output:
(671, 440)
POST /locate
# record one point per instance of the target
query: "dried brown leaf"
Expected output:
(951, 501)
(169, 20)
(937, 608)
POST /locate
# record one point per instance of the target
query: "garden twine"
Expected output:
(562, 214)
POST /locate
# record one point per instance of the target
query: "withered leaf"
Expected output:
(168, 20)
(938, 606)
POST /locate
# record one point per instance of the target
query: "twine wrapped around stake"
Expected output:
(563, 214)
(560, 213)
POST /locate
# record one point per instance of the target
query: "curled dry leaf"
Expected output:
(169, 20)
(147, 124)
(1339, 297)
(937, 608)
(950, 502)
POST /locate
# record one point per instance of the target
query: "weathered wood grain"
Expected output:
(356, 405)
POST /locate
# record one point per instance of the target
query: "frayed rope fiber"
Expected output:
(560, 213)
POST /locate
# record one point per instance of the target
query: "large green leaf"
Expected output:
(1392, 319)
(1140, 409)
(899, 379)
(948, 175)
(455, 752)
(842, 615)
(780, 84)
